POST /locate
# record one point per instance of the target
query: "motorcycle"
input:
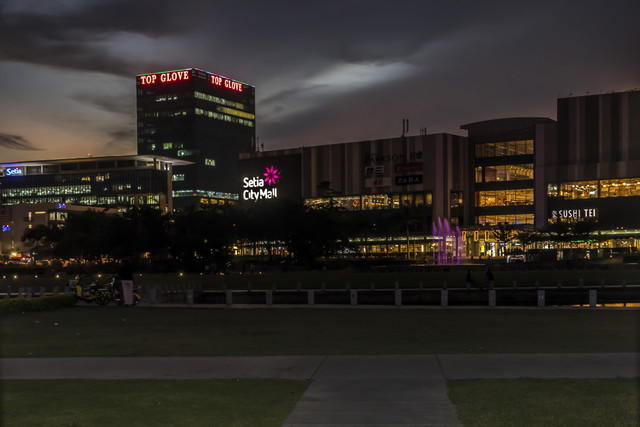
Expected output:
(92, 294)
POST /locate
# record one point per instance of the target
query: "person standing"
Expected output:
(126, 280)
(489, 278)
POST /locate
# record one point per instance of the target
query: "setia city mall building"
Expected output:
(463, 195)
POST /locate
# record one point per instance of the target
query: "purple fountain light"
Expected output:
(443, 235)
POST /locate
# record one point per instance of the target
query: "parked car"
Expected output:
(515, 258)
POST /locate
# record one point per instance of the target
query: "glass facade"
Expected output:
(200, 117)
(508, 219)
(627, 187)
(521, 197)
(504, 148)
(373, 201)
(117, 181)
(517, 172)
(498, 166)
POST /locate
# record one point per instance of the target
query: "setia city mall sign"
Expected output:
(261, 187)
(183, 75)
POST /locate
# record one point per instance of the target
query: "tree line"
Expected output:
(194, 237)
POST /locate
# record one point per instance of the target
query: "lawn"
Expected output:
(546, 402)
(245, 402)
(93, 331)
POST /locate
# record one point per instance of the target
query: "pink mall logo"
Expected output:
(271, 175)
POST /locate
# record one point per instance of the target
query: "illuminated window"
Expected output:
(509, 219)
(224, 117)
(518, 172)
(521, 197)
(167, 145)
(236, 113)
(184, 153)
(217, 100)
(177, 177)
(506, 148)
(478, 173)
(209, 162)
(620, 187)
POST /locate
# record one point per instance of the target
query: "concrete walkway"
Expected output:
(400, 390)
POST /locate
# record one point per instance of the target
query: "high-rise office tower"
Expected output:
(201, 117)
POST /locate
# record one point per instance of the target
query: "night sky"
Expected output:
(325, 71)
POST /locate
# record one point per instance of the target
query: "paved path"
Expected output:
(400, 390)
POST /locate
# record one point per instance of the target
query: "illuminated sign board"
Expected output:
(13, 171)
(62, 205)
(5, 227)
(228, 83)
(574, 213)
(261, 187)
(408, 179)
(184, 75)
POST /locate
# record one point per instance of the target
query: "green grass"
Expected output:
(547, 402)
(149, 331)
(245, 402)
(340, 279)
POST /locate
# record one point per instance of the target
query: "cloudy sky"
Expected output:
(325, 71)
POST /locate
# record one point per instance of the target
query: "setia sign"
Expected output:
(261, 187)
(13, 171)
(574, 213)
(184, 75)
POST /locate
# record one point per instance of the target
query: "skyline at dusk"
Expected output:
(324, 72)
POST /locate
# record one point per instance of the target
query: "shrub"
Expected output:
(15, 305)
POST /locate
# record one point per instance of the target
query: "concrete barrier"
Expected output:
(444, 298)
(541, 298)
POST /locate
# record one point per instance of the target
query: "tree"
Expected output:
(504, 233)
(38, 234)
(558, 231)
(526, 237)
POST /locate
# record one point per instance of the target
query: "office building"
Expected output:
(113, 181)
(201, 117)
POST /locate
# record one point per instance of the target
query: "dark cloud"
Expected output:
(122, 140)
(450, 62)
(72, 40)
(112, 103)
(16, 142)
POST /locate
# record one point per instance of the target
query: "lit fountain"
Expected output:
(447, 243)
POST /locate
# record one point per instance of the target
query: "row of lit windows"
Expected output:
(505, 148)
(152, 200)
(224, 117)
(213, 202)
(628, 187)
(205, 193)
(163, 98)
(505, 197)
(509, 219)
(372, 202)
(45, 191)
(519, 172)
(173, 113)
(217, 100)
